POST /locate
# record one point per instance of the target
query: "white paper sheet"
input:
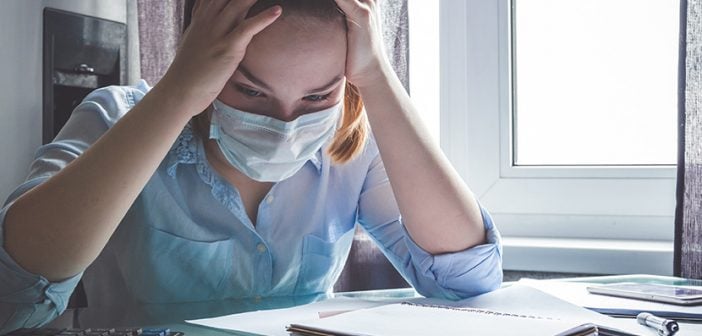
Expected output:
(273, 322)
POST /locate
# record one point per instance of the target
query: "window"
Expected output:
(566, 205)
(600, 76)
(424, 61)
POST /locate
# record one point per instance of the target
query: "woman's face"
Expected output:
(293, 67)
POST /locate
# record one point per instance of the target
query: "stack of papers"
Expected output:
(516, 310)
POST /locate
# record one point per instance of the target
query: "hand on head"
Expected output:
(366, 56)
(212, 48)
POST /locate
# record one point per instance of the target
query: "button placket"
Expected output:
(265, 269)
(263, 253)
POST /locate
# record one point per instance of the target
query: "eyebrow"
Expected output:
(244, 71)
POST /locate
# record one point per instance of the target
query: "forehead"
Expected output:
(298, 51)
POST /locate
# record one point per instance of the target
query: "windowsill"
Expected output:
(596, 256)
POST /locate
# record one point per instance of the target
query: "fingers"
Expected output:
(196, 7)
(197, 10)
(357, 12)
(205, 10)
(254, 25)
(353, 6)
(239, 6)
(234, 13)
(212, 7)
(346, 6)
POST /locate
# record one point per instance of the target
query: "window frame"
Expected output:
(591, 219)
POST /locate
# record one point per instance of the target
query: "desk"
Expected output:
(172, 315)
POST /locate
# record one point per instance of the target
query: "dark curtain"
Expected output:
(160, 27)
(396, 35)
(688, 226)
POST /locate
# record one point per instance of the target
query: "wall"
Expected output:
(21, 80)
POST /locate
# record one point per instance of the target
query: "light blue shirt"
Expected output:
(187, 237)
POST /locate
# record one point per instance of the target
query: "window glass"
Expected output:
(424, 61)
(595, 82)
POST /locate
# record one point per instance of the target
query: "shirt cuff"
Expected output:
(466, 273)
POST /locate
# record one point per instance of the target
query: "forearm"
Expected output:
(58, 228)
(439, 211)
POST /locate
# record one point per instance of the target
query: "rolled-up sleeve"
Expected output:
(465, 273)
(451, 276)
(29, 300)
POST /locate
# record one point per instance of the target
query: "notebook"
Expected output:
(516, 310)
(414, 319)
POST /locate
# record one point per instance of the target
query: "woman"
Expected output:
(255, 197)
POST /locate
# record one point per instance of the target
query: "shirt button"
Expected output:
(257, 299)
(261, 247)
(269, 199)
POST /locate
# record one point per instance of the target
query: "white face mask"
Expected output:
(267, 149)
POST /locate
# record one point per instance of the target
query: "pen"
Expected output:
(665, 327)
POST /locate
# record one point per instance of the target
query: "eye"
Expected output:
(317, 98)
(249, 92)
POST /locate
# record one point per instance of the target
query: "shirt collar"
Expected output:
(183, 151)
(317, 161)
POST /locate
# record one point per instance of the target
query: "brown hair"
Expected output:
(351, 136)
